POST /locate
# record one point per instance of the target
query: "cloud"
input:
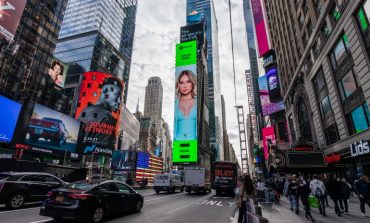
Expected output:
(157, 32)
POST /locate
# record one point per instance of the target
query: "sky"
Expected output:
(157, 32)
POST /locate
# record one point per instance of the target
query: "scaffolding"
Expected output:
(242, 139)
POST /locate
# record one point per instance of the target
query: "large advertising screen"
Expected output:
(99, 107)
(58, 72)
(9, 112)
(260, 27)
(192, 32)
(10, 14)
(123, 160)
(267, 106)
(185, 144)
(268, 137)
(273, 85)
(45, 130)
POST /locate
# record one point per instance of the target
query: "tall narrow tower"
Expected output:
(153, 99)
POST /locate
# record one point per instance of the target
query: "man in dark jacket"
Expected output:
(293, 195)
(362, 189)
(334, 192)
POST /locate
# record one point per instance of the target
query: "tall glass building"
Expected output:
(98, 36)
(204, 11)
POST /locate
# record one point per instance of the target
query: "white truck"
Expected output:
(197, 179)
(168, 182)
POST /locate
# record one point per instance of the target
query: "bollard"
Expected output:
(254, 209)
(252, 218)
(253, 201)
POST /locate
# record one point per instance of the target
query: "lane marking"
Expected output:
(158, 198)
(45, 220)
(24, 209)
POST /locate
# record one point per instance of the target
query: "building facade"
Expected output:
(322, 49)
(204, 11)
(153, 99)
(130, 130)
(97, 35)
(24, 63)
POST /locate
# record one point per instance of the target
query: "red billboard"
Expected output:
(10, 14)
(99, 107)
(260, 27)
(268, 137)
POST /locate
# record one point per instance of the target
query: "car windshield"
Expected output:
(4, 176)
(82, 185)
(161, 177)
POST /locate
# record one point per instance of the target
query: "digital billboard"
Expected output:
(58, 72)
(10, 14)
(268, 137)
(9, 112)
(192, 32)
(260, 28)
(45, 130)
(185, 144)
(99, 107)
(273, 85)
(267, 106)
(123, 160)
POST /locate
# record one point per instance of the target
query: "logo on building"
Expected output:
(359, 148)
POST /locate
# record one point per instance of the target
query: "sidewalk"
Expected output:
(282, 213)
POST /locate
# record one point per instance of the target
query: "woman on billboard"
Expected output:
(185, 106)
(56, 72)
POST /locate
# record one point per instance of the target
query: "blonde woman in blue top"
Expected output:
(186, 106)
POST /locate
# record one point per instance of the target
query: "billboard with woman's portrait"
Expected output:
(58, 72)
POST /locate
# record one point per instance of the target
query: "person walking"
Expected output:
(318, 190)
(293, 195)
(247, 190)
(345, 193)
(303, 193)
(362, 190)
(325, 181)
(334, 192)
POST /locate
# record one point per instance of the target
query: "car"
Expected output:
(91, 201)
(49, 129)
(18, 188)
(168, 182)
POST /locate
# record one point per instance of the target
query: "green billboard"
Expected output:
(185, 142)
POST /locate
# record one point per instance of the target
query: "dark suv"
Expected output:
(17, 188)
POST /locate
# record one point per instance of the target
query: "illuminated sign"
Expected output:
(186, 53)
(58, 72)
(192, 32)
(359, 148)
(268, 137)
(10, 14)
(273, 85)
(260, 28)
(268, 107)
(333, 158)
(9, 113)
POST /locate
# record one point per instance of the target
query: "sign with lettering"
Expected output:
(359, 148)
(332, 158)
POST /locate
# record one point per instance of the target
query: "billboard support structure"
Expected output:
(242, 139)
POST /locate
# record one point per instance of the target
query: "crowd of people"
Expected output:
(310, 190)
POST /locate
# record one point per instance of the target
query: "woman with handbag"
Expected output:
(247, 190)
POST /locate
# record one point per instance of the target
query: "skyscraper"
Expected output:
(204, 11)
(153, 99)
(98, 35)
(25, 61)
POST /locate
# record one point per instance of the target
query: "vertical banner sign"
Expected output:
(268, 137)
(99, 107)
(10, 14)
(185, 144)
(259, 24)
(273, 85)
(268, 108)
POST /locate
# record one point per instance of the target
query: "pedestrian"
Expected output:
(325, 181)
(293, 195)
(334, 192)
(345, 193)
(303, 193)
(362, 190)
(318, 190)
(285, 191)
(247, 190)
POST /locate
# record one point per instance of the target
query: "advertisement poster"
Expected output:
(123, 160)
(185, 142)
(9, 112)
(260, 27)
(10, 14)
(99, 107)
(147, 166)
(273, 85)
(47, 131)
(58, 72)
(268, 137)
(192, 32)
(267, 106)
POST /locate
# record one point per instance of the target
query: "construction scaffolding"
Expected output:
(242, 139)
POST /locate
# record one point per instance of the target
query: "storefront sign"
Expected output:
(359, 148)
(333, 158)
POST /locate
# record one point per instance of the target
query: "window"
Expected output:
(347, 85)
(340, 52)
(358, 119)
(325, 107)
(123, 188)
(33, 178)
(335, 13)
(319, 82)
(331, 134)
(318, 7)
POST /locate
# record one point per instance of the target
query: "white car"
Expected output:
(168, 182)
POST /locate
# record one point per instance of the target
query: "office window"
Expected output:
(358, 119)
(340, 52)
(347, 85)
(331, 134)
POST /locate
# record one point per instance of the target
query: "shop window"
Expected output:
(331, 134)
(347, 85)
(358, 119)
(340, 52)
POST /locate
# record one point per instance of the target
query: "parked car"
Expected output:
(17, 188)
(49, 129)
(91, 201)
(168, 182)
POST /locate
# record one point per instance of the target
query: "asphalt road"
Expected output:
(161, 208)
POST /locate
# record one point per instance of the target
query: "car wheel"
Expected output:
(138, 206)
(157, 191)
(97, 215)
(16, 200)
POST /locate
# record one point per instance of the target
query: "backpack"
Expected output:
(318, 192)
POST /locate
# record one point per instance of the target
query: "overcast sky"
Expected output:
(157, 32)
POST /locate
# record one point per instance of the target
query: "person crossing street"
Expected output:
(318, 190)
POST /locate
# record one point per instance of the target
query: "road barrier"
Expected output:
(253, 218)
(254, 209)
(266, 198)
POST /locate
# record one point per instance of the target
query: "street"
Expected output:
(161, 208)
